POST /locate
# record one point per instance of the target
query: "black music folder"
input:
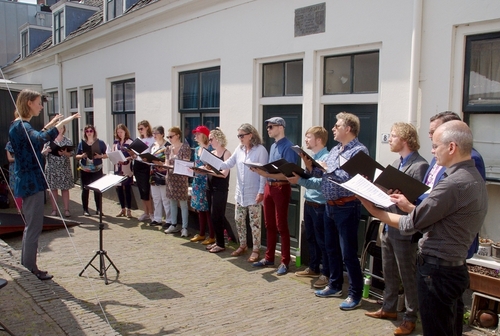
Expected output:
(138, 146)
(299, 151)
(56, 148)
(92, 149)
(361, 164)
(393, 178)
(271, 168)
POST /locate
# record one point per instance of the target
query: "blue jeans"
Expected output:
(439, 290)
(313, 221)
(346, 218)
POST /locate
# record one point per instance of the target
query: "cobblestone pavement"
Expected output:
(166, 285)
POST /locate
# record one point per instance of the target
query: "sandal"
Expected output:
(239, 251)
(211, 246)
(254, 256)
(67, 213)
(121, 214)
(129, 213)
(217, 249)
(53, 213)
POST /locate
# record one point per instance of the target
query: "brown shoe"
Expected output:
(405, 328)
(322, 282)
(380, 314)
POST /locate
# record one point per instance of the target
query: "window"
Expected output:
(199, 100)
(88, 106)
(282, 79)
(24, 44)
(481, 97)
(114, 9)
(52, 104)
(73, 100)
(123, 104)
(59, 27)
(482, 73)
(348, 74)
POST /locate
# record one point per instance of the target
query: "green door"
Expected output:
(293, 131)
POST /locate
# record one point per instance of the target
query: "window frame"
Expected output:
(466, 106)
(128, 115)
(24, 43)
(351, 73)
(88, 105)
(284, 78)
(59, 33)
(199, 109)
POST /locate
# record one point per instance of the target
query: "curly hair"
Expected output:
(219, 136)
(407, 132)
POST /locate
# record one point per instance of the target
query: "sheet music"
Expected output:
(182, 167)
(106, 182)
(209, 159)
(364, 188)
(116, 156)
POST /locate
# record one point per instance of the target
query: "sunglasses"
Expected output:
(141, 128)
(171, 136)
(89, 131)
(241, 136)
(210, 139)
(270, 126)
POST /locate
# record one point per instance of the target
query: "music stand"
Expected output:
(100, 186)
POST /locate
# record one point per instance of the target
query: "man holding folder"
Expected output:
(399, 252)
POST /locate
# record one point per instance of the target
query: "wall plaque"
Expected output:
(310, 20)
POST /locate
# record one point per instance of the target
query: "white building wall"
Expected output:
(153, 45)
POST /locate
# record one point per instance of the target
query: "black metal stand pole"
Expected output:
(101, 253)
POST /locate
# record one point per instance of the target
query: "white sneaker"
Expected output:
(184, 233)
(143, 217)
(172, 229)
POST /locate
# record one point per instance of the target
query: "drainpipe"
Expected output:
(416, 45)
(60, 91)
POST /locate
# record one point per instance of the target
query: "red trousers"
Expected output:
(276, 200)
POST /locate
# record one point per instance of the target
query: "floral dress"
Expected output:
(177, 185)
(199, 200)
(58, 168)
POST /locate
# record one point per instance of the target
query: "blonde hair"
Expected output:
(219, 136)
(22, 100)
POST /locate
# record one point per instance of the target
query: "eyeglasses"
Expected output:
(89, 131)
(241, 136)
(140, 128)
(171, 136)
(210, 139)
(156, 133)
(337, 126)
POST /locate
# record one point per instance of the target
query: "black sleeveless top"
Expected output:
(218, 183)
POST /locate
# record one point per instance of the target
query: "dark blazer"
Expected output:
(416, 167)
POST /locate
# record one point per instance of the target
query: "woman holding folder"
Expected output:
(90, 153)
(58, 169)
(177, 185)
(124, 168)
(158, 180)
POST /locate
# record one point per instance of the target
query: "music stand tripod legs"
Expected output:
(101, 185)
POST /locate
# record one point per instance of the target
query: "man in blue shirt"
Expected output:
(345, 210)
(314, 208)
(277, 193)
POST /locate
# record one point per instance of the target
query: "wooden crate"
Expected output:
(484, 284)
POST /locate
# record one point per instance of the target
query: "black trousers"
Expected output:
(88, 178)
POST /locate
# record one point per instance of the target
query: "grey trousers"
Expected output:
(399, 263)
(33, 208)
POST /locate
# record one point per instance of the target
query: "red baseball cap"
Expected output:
(202, 129)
